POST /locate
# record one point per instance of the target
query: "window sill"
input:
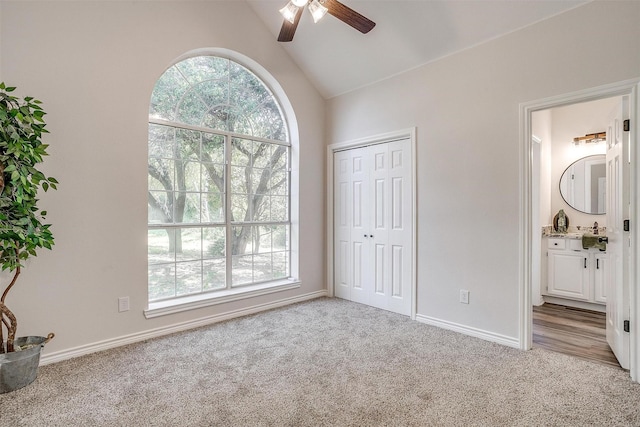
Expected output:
(193, 302)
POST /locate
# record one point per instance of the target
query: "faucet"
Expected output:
(595, 227)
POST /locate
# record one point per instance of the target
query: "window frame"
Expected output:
(233, 292)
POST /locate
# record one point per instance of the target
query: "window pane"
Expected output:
(262, 154)
(241, 240)
(262, 239)
(212, 207)
(280, 158)
(161, 174)
(279, 208)
(162, 281)
(191, 207)
(262, 213)
(191, 110)
(161, 141)
(241, 152)
(166, 94)
(213, 242)
(239, 207)
(279, 183)
(214, 274)
(239, 122)
(212, 178)
(214, 92)
(242, 270)
(217, 118)
(260, 179)
(280, 265)
(201, 68)
(212, 148)
(187, 144)
(262, 268)
(280, 237)
(189, 176)
(188, 244)
(188, 278)
(160, 207)
(240, 182)
(160, 244)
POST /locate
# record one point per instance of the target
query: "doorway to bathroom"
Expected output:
(565, 152)
(570, 180)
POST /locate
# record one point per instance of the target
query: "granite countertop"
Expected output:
(573, 232)
(577, 236)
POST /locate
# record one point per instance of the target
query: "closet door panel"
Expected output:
(400, 234)
(342, 224)
(379, 183)
(361, 273)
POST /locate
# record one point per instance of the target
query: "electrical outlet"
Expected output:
(123, 304)
(464, 296)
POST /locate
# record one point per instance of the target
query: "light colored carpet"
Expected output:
(321, 363)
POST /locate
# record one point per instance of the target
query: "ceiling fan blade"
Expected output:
(288, 29)
(349, 16)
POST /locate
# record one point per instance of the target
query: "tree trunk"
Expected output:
(239, 242)
(10, 322)
(8, 319)
(175, 240)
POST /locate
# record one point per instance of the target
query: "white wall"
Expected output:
(466, 109)
(94, 64)
(570, 122)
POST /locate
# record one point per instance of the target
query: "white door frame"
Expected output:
(362, 142)
(629, 88)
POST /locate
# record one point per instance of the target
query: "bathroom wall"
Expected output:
(567, 123)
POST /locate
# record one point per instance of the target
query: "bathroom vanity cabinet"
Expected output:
(576, 273)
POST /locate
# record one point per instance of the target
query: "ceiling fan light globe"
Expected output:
(300, 3)
(289, 12)
(317, 10)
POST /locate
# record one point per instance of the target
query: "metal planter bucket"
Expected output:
(20, 368)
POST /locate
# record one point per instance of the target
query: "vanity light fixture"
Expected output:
(590, 138)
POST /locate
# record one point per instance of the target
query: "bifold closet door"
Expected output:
(372, 220)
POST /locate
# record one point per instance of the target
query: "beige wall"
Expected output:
(465, 108)
(94, 64)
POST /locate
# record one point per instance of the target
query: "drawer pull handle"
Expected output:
(597, 264)
(585, 263)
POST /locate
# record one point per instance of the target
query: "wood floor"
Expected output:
(572, 331)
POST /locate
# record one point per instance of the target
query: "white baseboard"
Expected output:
(467, 330)
(166, 330)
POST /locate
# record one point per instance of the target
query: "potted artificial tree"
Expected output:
(22, 232)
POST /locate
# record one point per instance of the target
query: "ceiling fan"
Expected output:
(318, 8)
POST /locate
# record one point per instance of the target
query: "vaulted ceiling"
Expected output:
(409, 33)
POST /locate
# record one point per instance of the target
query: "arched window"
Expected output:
(219, 181)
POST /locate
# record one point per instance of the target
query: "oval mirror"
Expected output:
(583, 185)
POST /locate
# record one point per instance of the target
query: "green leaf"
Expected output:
(21, 150)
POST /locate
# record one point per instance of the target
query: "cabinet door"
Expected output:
(569, 274)
(600, 278)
